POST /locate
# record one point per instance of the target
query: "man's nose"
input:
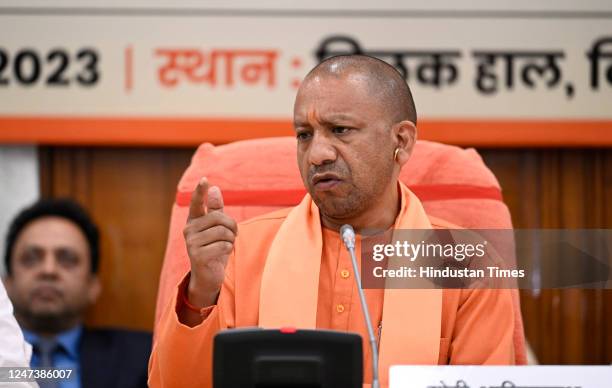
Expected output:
(49, 264)
(322, 150)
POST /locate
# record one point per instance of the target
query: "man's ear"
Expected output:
(405, 135)
(94, 289)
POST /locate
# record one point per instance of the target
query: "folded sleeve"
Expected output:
(182, 355)
(14, 350)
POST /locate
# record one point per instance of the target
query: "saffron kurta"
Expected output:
(436, 326)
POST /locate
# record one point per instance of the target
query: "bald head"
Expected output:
(385, 83)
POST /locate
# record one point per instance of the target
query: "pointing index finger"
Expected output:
(198, 199)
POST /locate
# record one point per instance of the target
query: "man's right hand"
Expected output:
(209, 236)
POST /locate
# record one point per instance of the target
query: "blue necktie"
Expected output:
(46, 348)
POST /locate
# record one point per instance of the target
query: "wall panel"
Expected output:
(129, 193)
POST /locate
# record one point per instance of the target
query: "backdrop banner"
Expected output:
(520, 73)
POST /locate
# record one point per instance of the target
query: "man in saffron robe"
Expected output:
(355, 124)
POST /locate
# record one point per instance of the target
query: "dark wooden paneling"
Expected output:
(129, 192)
(561, 189)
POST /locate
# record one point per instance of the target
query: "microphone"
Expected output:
(348, 238)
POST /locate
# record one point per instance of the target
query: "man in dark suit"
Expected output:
(52, 254)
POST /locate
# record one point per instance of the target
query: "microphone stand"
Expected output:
(348, 237)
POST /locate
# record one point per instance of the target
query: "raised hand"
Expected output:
(209, 237)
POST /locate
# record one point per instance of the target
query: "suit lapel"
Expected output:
(99, 363)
